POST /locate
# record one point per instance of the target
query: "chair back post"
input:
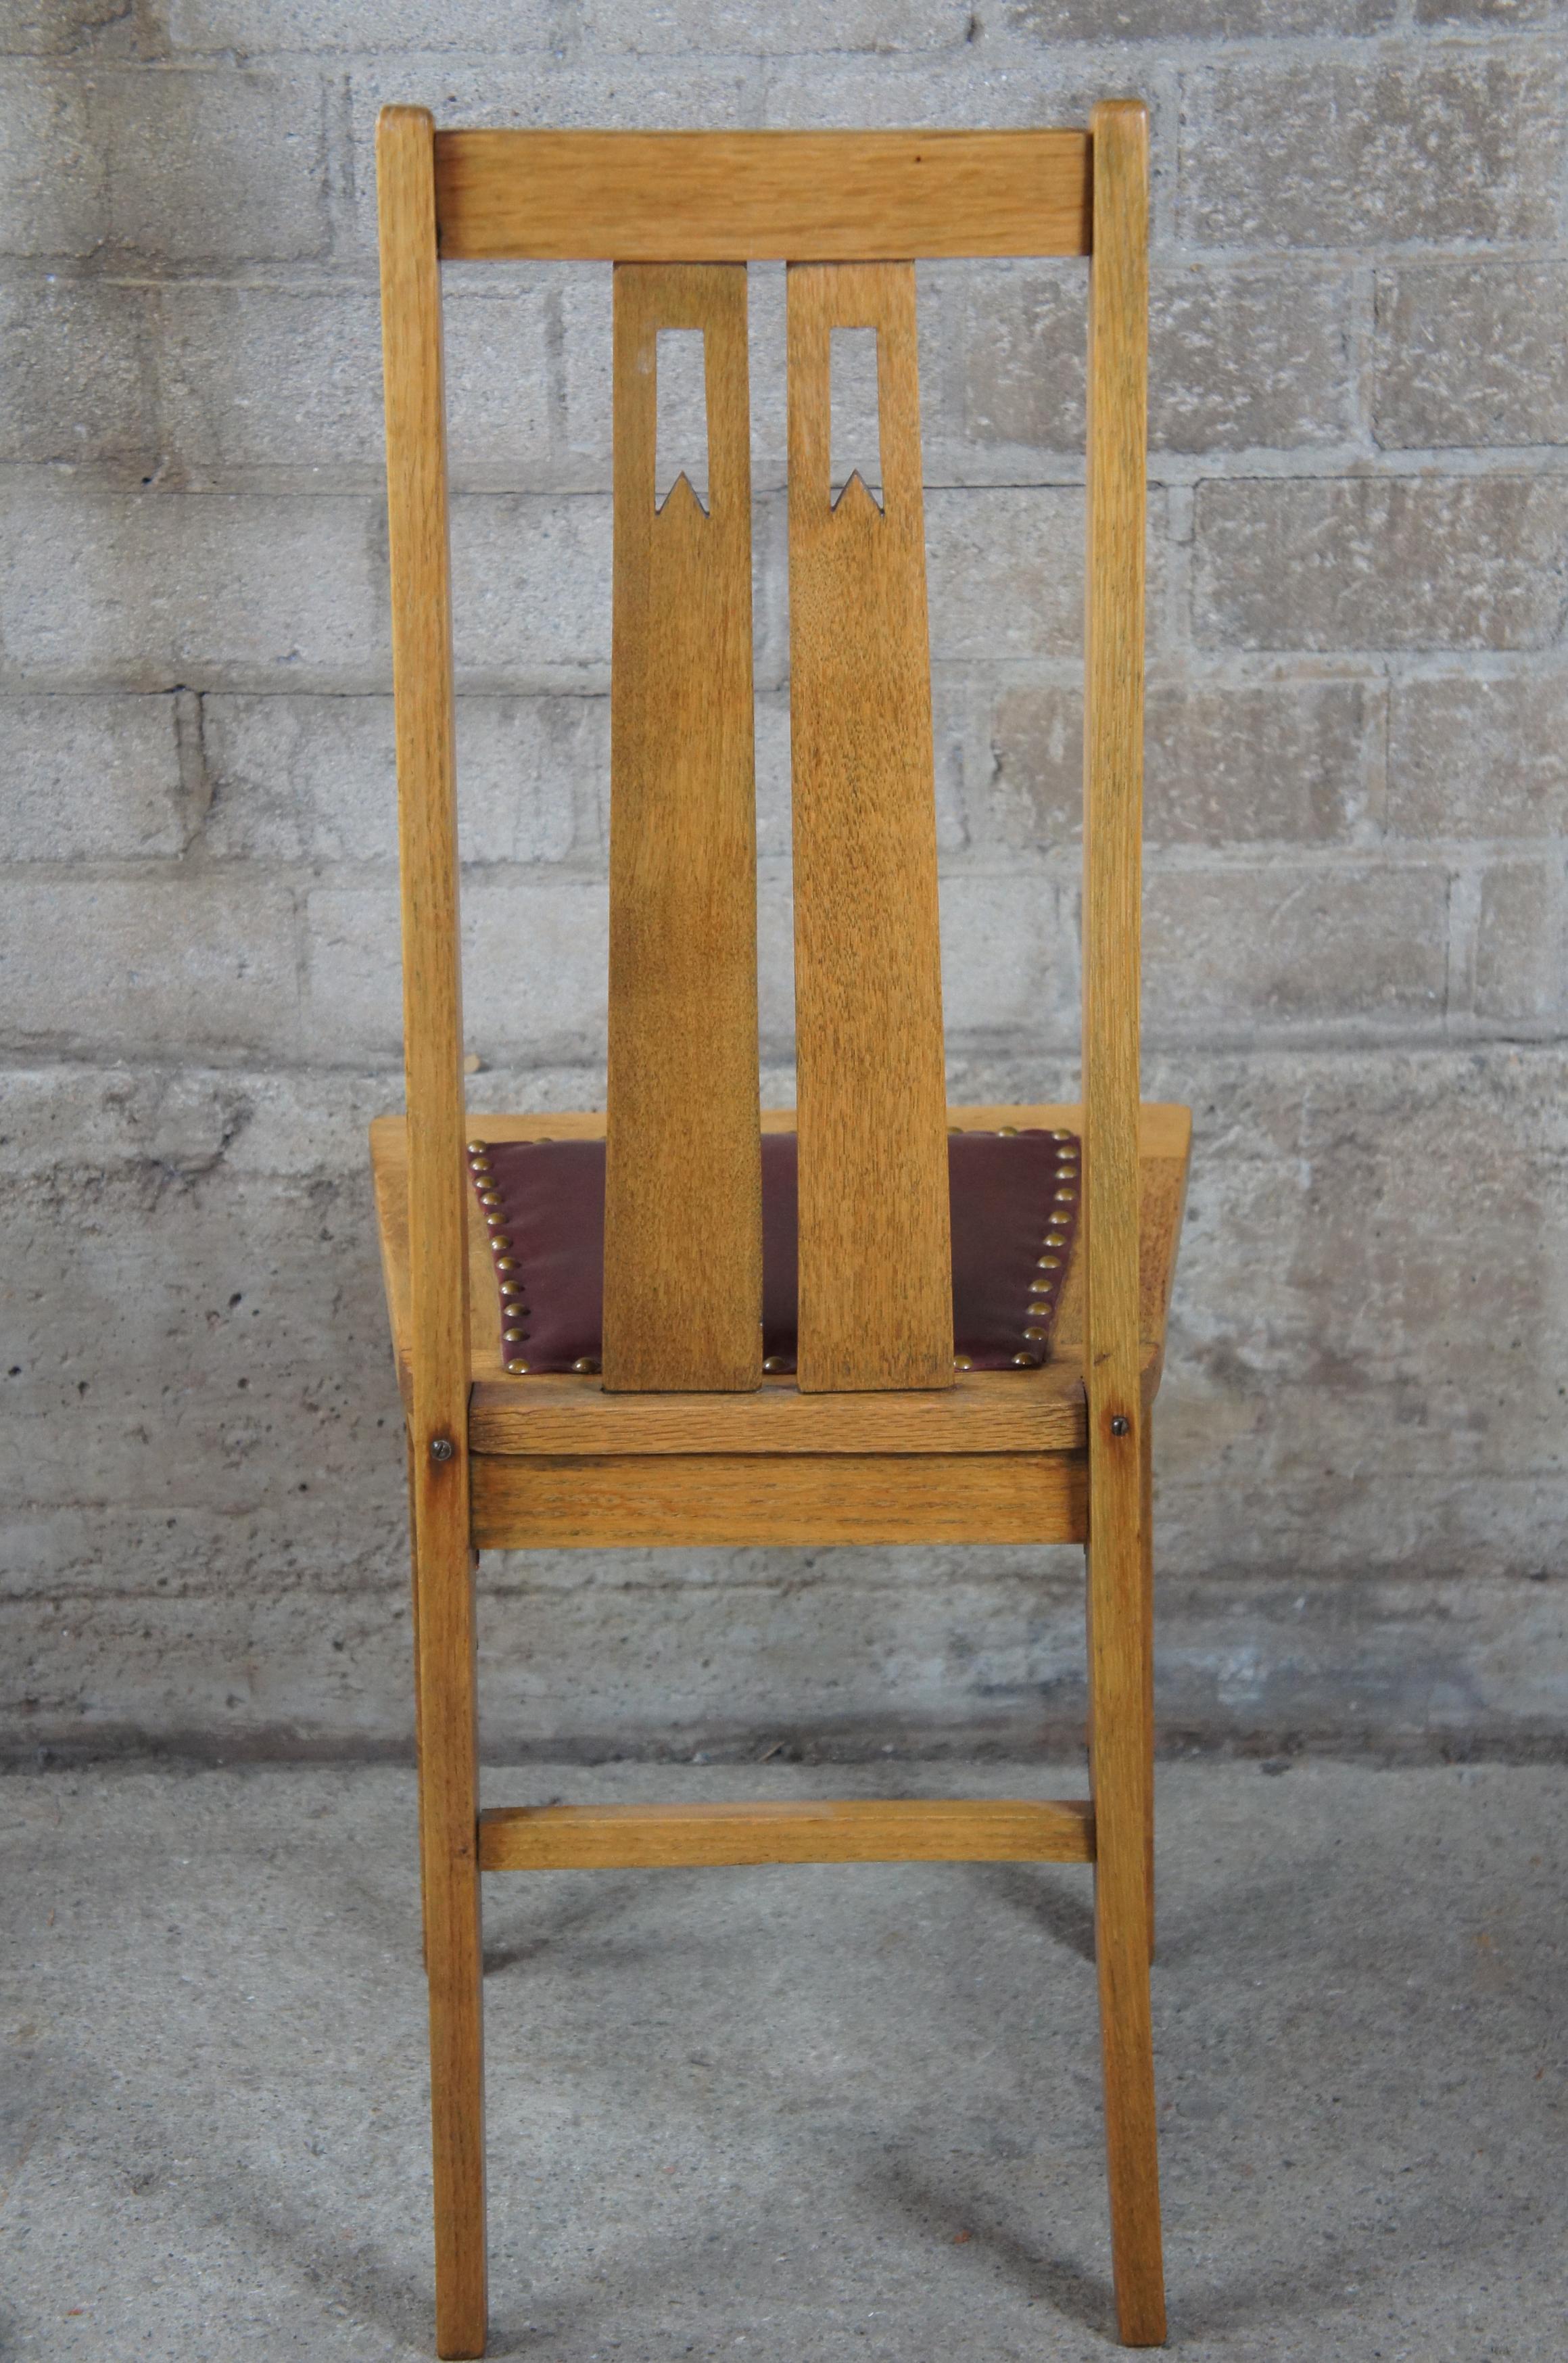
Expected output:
(427, 787)
(1120, 1658)
(438, 1293)
(1113, 765)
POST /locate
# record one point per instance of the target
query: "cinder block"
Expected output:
(200, 27)
(53, 198)
(1224, 764)
(1435, 563)
(1147, 20)
(314, 778)
(535, 966)
(948, 90)
(1009, 957)
(139, 968)
(531, 590)
(1520, 943)
(1363, 1289)
(76, 382)
(1005, 572)
(1325, 151)
(91, 778)
(267, 377)
(1506, 13)
(1240, 952)
(1472, 352)
(704, 27)
(214, 164)
(156, 589)
(1478, 756)
(1239, 357)
(54, 27)
(271, 377)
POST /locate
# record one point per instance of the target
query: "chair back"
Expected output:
(680, 215)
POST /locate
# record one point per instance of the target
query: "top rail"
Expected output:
(738, 196)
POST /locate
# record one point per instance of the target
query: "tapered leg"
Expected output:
(1119, 1766)
(448, 1824)
(1146, 1458)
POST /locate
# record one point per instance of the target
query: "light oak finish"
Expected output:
(683, 1180)
(875, 1259)
(735, 196)
(437, 1287)
(629, 1500)
(868, 1829)
(1118, 1628)
(877, 1441)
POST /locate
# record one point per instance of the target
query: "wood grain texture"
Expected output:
(859, 1829)
(437, 1270)
(992, 1410)
(1146, 1474)
(627, 1499)
(683, 1178)
(733, 196)
(1113, 731)
(875, 1273)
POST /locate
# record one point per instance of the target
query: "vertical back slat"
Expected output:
(683, 1183)
(1114, 735)
(439, 1299)
(876, 1284)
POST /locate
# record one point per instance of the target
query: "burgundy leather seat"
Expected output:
(1014, 1208)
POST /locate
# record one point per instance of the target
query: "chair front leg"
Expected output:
(1121, 1766)
(448, 1829)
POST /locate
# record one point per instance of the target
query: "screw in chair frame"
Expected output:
(693, 1380)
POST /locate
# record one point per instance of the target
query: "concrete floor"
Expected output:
(793, 2114)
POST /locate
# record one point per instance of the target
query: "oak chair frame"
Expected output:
(686, 1443)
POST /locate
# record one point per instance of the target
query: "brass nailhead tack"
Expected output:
(774, 1363)
(502, 1263)
(1055, 1238)
(489, 1198)
(963, 1361)
(1035, 1336)
(513, 1337)
(478, 1147)
(586, 1364)
(1007, 1132)
(518, 1370)
(1061, 1136)
(500, 1242)
(1049, 1263)
(1024, 1362)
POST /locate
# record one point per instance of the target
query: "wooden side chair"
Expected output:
(873, 1319)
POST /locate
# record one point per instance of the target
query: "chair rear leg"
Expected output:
(1120, 1773)
(1146, 1478)
(448, 1829)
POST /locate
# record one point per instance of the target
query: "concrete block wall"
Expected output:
(1358, 807)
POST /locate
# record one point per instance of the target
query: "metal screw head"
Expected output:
(1120, 1426)
(441, 1448)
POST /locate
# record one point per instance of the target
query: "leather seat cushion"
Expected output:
(1014, 1212)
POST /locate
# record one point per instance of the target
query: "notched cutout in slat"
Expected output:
(680, 439)
(855, 421)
